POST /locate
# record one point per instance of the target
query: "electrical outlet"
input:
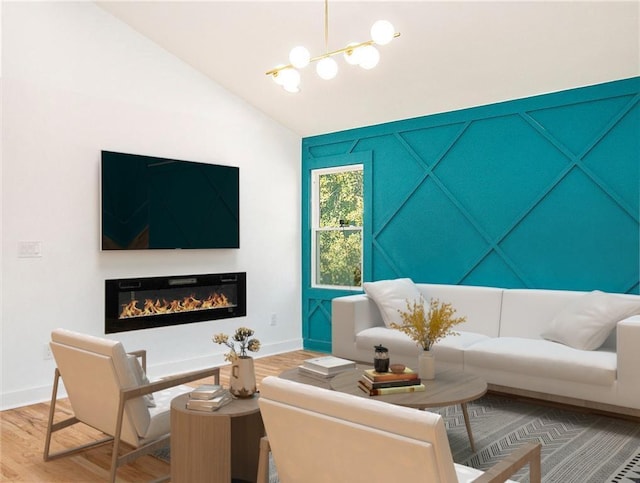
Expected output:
(274, 319)
(46, 354)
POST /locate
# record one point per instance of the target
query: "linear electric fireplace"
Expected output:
(143, 303)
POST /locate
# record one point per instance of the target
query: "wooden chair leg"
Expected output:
(52, 410)
(115, 462)
(535, 469)
(263, 461)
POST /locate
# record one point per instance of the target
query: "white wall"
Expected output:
(76, 81)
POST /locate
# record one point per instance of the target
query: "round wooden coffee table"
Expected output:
(447, 389)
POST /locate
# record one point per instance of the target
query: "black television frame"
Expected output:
(155, 203)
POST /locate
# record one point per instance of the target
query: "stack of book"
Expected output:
(380, 383)
(325, 367)
(208, 397)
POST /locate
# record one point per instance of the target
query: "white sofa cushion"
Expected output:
(587, 322)
(391, 296)
(527, 311)
(394, 340)
(543, 358)
(480, 305)
(450, 349)
(161, 413)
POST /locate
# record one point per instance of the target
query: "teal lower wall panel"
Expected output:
(318, 346)
(542, 192)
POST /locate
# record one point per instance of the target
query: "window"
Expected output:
(337, 214)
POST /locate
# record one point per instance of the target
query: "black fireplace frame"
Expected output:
(113, 288)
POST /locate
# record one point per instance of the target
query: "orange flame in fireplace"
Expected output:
(187, 304)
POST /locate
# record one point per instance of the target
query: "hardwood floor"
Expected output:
(23, 432)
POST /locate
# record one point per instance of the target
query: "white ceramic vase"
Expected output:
(243, 377)
(426, 365)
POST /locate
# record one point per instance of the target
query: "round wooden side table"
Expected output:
(215, 446)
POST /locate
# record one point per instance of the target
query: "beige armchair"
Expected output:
(317, 435)
(108, 391)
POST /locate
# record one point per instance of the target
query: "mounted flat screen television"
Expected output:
(159, 203)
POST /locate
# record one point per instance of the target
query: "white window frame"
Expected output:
(315, 221)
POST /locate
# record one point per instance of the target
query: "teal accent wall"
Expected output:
(542, 192)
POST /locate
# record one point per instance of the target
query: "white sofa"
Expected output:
(501, 341)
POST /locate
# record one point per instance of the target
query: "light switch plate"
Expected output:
(29, 249)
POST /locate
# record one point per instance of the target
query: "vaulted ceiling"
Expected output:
(450, 54)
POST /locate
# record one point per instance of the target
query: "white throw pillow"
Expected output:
(141, 379)
(587, 322)
(391, 296)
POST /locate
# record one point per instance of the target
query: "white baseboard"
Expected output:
(36, 395)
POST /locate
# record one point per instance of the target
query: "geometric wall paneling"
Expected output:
(425, 147)
(542, 192)
(430, 144)
(384, 268)
(331, 149)
(393, 166)
(576, 126)
(493, 271)
(563, 243)
(613, 170)
(502, 178)
(319, 327)
(447, 244)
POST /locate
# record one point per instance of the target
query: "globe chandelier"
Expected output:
(363, 54)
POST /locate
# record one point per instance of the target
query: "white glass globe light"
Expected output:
(352, 56)
(327, 68)
(289, 77)
(369, 57)
(293, 88)
(382, 32)
(299, 57)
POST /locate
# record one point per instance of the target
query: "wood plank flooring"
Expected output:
(23, 432)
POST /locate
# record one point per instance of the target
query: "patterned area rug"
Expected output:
(629, 472)
(576, 447)
(165, 455)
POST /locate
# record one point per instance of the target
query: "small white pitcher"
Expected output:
(243, 377)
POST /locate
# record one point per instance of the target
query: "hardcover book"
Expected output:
(206, 391)
(329, 364)
(374, 376)
(379, 385)
(392, 390)
(210, 404)
(315, 374)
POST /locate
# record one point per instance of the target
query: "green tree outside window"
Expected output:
(338, 226)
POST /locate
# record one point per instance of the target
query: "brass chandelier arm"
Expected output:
(348, 48)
